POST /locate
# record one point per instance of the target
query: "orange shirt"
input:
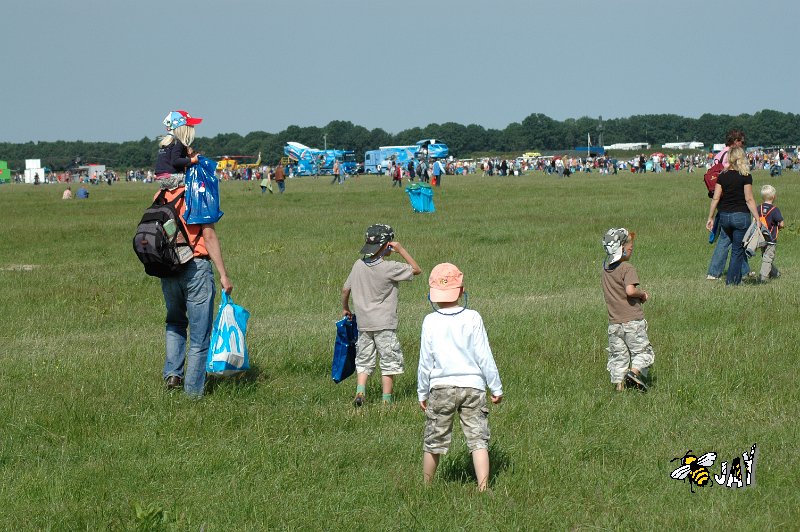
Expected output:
(195, 231)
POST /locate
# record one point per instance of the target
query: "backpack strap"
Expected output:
(765, 216)
(162, 200)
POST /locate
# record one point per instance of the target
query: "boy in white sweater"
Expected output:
(455, 368)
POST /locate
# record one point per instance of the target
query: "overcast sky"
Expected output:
(110, 70)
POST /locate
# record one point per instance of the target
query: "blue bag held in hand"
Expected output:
(202, 193)
(344, 350)
(227, 353)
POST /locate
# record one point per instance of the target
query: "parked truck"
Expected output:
(311, 161)
(377, 161)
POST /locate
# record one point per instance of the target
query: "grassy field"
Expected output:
(89, 439)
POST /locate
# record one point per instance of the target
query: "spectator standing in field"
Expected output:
(337, 172)
(411, 171)
(266, 181)
(397, 175)
(733, 195)
(774, 221)
(630, 354)
(734, 139)
(373, 283)
(438, 172)
(455, 368)
(423, 171)
(280, 178)
(189, 295)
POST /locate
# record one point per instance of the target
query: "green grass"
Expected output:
(90, 440)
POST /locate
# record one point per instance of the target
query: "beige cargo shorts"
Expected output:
(443, 404)
(628, 346)
(371, 344)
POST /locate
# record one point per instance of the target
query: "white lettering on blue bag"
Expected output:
(227, 352)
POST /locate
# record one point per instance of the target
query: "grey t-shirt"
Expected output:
(373, 287)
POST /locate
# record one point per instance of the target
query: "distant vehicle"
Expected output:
(694, 145)
(231, 162)
(377, 161)
(628, 146)
(311, 161)
(592, 151)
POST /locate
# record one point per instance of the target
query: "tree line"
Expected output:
(537, 132)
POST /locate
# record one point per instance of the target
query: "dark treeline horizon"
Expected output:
(537, 132)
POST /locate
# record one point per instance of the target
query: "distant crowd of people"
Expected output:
(95, 178)
(775, 161)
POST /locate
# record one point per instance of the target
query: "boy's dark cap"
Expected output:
(377, 235)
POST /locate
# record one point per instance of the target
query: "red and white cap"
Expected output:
(176, 119)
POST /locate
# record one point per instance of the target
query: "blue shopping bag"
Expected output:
(227, 353)
(421, 197)
(344, 349)
(202, 193)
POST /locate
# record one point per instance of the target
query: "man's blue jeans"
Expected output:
(189, 298)
(720, 256)
(734, 225)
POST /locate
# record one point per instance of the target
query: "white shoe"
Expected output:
(711, 278)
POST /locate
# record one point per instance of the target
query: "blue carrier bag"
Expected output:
(421, 197)
(344, 349)
(227, 352)
(202, 193)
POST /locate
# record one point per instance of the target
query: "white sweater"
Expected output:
(454, 351)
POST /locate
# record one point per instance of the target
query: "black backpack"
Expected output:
(161, 242)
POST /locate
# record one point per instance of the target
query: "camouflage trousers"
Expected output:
(628, 346)
(371, 344)
(443, 404)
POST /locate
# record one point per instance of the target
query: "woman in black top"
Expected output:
(733, 196)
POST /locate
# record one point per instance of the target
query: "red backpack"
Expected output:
(710, 177)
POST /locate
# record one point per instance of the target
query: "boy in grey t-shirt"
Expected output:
(373, 285)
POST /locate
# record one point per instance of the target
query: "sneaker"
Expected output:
(711, 278)
(635, 381)
(359, 400)
(751, 274)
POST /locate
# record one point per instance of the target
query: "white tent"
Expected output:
(33, 167)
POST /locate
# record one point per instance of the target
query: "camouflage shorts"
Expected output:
(385, 344)
(443, 404)
(628, 346)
